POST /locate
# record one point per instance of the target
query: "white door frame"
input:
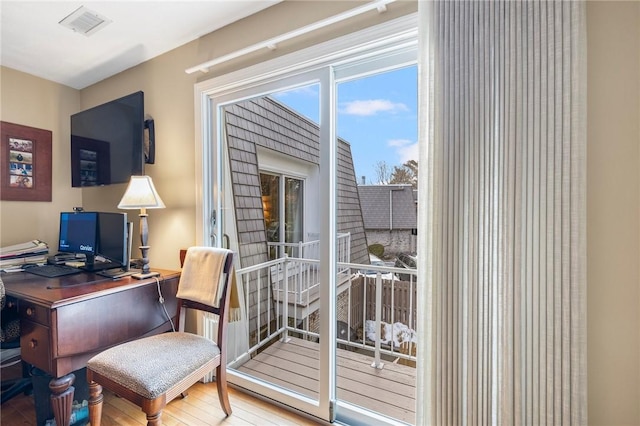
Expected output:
(341, 58)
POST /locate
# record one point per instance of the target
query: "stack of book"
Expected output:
(34, 251)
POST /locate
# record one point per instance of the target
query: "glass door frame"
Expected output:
(345, 57)
(321, 408)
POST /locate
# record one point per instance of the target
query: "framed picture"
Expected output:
(25, 163)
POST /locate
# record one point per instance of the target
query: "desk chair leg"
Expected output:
(221, 383)
(95, 403)
(154, 419)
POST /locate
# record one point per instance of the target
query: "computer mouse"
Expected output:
(28, 265)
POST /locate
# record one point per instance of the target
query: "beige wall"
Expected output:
(34, 102)
(613, 212)
(613, 167)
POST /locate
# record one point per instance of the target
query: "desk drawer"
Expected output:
(35, 313)
(35, 344)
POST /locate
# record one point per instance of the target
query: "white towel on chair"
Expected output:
(202, 275)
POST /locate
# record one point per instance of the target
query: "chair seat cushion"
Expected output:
(152, 365)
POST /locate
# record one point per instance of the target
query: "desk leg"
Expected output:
(62, 398)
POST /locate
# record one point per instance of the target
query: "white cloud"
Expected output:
(398, 142)
(372, 107)
(405, 149)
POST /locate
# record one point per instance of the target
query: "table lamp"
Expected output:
(141, 194)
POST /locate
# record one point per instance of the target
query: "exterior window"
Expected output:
(284, 209)
(271, 206)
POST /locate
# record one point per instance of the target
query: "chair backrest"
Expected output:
(222, 291)
(223, 296)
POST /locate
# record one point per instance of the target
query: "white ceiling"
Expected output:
(33, 41)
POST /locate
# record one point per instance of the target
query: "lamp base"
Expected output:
(144, 276)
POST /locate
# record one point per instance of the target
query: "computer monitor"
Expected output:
(113, 240)
(78, 234)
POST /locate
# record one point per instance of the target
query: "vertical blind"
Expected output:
(503, 137)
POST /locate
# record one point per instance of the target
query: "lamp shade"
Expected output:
(141, 194)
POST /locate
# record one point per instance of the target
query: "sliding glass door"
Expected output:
(271, 168)
(376, 308)
(281, 187)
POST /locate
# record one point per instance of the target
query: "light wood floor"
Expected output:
(294, 366)
(201, 407)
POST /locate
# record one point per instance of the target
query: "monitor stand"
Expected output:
(115, 273)
(90, 264)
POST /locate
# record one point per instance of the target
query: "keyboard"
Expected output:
(52, 271)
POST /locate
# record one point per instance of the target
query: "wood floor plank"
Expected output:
(204, 400)
(12, 417)
(294, 365)
(196, 416)
(251, 403)
(387, 408)
(111, 415)
(373, 379)
(377, 395)
(244, 402)
(289, 383)
(17, 411)
(123, 410)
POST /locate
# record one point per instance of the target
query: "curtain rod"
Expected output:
(271, 44)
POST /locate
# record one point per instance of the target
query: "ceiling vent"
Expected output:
(85, 21)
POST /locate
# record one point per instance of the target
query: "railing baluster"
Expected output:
(246, 301)
(300, 276)
(259, 321)
(376, 362)
(259, 279)
(285, 303)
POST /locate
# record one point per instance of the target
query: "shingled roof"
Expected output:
(388, 207)
(267, 123)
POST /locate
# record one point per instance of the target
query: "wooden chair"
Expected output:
(152, 371)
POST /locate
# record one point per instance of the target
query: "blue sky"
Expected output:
(377, 115)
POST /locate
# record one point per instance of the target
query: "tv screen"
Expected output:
(108, 142)
(112, 238)
(78, 232)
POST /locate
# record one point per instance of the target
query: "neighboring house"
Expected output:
(390, 216)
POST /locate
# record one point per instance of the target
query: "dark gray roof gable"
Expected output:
(388, 206)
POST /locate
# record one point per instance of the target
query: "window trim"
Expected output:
(282, 176)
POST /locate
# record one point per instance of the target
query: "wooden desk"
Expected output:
(64, 321)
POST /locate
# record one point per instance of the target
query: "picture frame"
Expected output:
(25, 163)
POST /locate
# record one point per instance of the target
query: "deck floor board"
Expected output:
(295, 366)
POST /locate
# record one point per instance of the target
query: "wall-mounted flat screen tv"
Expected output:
(108, 143)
